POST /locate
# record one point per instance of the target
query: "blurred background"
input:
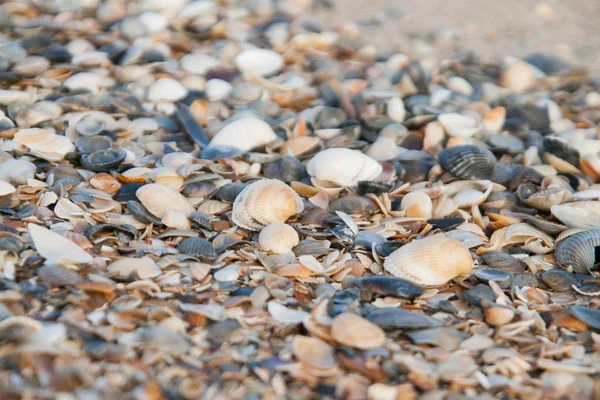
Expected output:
(492, 29)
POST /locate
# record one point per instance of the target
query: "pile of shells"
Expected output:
(226, 200)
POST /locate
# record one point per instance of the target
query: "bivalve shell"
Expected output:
(579, 251)
(343, 167)
(278, 238)
(159, 198)
(245, 134)
(354, 331)
(468, 161)
(56, 249)
(431, 261)
(261, 62)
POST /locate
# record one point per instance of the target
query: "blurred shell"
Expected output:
(6, 188)
(458, 125)
(245, 134)
(579, 251)
(142, 268)
(264, 202)
(198, 247)
(166, 89)
(468, 162)
(159, 198)
(578, 214)
(278, 238)
(343, 167)
(354, 331)
(44, 143)
(56, 249)
(417, 204)
(261, 62)
(313, 352)
(433, 260)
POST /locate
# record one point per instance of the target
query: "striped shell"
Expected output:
(433, 260)
(264, 202)
(468, 161)
(343, 167)
(579, 251)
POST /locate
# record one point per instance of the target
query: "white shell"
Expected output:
(166, 89)
(395, 109)
(144, 267)
(217, 89)
(88, 81)
(198, 63)
(343, 167)
(278, 238)
(6, 188)
(245, 134)
(458, 125)
(261, 62)
(417, 204)
(44, 143)
(158, 199)
(56, 249)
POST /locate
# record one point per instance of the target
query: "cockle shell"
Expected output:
(261, 62)
(278, 238)
(56, 249)
(579, 251)
(158, 199)
(264, 202)
(458, 125)
(468, 161)
(245, 134)
(343, 167)
(433, 260)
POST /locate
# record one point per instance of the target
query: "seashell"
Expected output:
(399, 318)
(55, 275)
(44, 143)
(468, 239)
(278, 238)
(417, 204)
(433, 260)
(12, 244)
(395, 109)
(518, 77)
(198, 63)
(142, 268)
(90, 125)
(559, 279)
(353, 205)
(125, 232)
(579, 251)
(202, 220)
(578, 214)
(157, 199)
(245, 134)
(103, 160)
(200, 189)
(264, 202)
(88, 81)
(496, 315)
(354, 331)
(314, 353)
(191, 126)
(502, 278)
(166, 89)
(458, 125)
(6, 188)
(310, 248)
(468, 162)
(217, 89)
(343, 167)
(127, 192)
(561, 149)
(17, 171)
(105, 182)
(261, 62)
(141, 214)
(542, 200)
(93, 144)
(389, 286)
(198, 247)
(243, 94)
(287, 169)
(230, 192)
(56, 249)
(299, 145)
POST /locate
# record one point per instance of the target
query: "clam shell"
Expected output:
(57, 249)
(143, 268)
(103, 160)
(245, 134)
(278, 238)
(468, 161)
(458, 125)
(343, 167)
(417, 204)
(198, 247)
(261, 62)
(579, 214)
(313, 352)
(561, 149)
(399, 318)
(58, 276)
(44, 143)
(159, 198)
(264, 202)
(354, 331)
(433, 260)
(579, 251)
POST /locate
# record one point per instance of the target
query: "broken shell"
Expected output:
(159, 198)
(56, 249)
(433, 260)
(354, 331)
(103, 160)
(263, 202)
(343, 167)
(578, 214)
(579, 251)
(278, 238)
(468, 162)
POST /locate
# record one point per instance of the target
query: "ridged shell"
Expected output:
(264, 202)
(579, 251)
(433, 260)
(198, 247)
(468, 161)
(343, 167)
(159, 198)
(278, 238)
(245, 134)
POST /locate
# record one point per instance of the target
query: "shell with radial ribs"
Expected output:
(278, 238)
(344, 167)
(431, 261)
(264, 202)
(245, 134)
(158, 199)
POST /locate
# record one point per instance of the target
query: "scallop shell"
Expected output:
(245, 134)
(579, 251)
(261, 62)
(56, 249)
(468, 161)
(278, 238)
(344, 167)
(264, 202)
(354, 331)
(433, 260)
(159, 198)
(417, 204)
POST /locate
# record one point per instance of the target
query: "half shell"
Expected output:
(56, 249)
(159, 198)
(344, 167)
(468, 161)
(245, 134)
(278, 238)
(579, 251)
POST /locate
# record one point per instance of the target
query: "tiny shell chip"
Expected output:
(57, 249)
(261, 62)
(433, 260)
(159, 198)
(278, 238)
(354, 331)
